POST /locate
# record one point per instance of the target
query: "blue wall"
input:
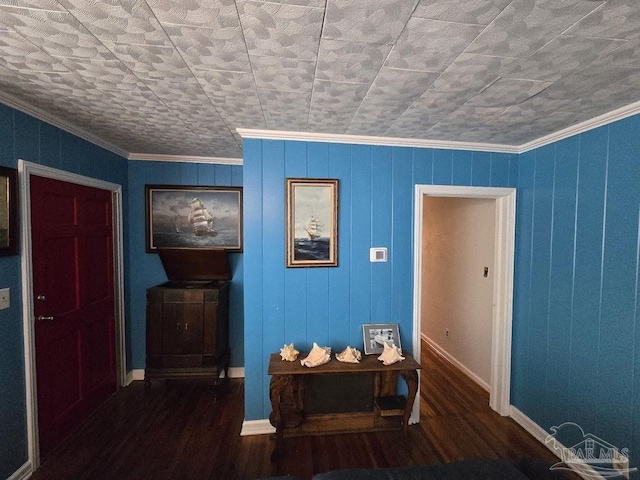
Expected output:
(329, 305)
(146, 268)
(24, 137)
(576, 340)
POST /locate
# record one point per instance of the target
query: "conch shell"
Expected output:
(349, 355)
(391, 354)
(317, 356)
(289, 353)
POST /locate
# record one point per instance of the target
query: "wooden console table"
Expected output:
(287, 395)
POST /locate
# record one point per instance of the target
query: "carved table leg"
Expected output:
(276, 388)
(411, 378)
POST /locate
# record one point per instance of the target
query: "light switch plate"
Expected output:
(4, 298)
(378, 254)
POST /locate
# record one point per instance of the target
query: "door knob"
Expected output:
(43, 318)
(41, 298)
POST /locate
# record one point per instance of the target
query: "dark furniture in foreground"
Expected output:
(480, 469)
(290, 398)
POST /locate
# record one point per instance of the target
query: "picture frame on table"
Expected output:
(375, 335)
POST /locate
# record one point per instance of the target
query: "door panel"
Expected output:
(72, 254)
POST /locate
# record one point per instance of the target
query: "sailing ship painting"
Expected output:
(200, 219)
(311, 222)
(194, 217)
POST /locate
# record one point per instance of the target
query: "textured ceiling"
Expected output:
(177, 77)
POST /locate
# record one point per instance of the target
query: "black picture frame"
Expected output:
(9, 235)
(375, 335)
(193, 217)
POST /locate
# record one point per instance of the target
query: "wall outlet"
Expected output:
(446, 332)
(4, 299)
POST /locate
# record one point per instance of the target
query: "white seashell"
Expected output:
(349, 355)
(391, 354)
(317, 356)
(289, 353)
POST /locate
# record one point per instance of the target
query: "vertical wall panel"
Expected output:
(340, 326)
(520, 392)
(381, 230)
(422, 166)
(592, 176)
(442, 167)
(360, 234)
(499, 170)
(318, 278)
(402, 246)
(295, 280)
(481, 169)
(255, 361)
(540, 260)
(462, 161)
(617, 323)
(561, 278)
(273, 294)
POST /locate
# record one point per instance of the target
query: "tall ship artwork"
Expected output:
(200, 219)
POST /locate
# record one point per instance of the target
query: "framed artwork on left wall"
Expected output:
(193, 217)
(8, 211)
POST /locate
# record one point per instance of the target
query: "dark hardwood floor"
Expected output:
(178, 431)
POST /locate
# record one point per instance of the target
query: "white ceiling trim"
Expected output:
(149, 157)
(368, 140)
(40, 114)
(599, 121)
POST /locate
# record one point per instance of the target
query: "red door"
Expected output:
(72, 249)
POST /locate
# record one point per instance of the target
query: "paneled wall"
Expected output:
(24, 137)
(146, 268)
(329, 305)
(576, 340)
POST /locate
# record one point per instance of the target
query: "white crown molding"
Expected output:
(152, 157)
(13, 102)
(599, 121)
(370, 140)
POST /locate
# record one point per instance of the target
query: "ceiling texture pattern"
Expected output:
(177, 77)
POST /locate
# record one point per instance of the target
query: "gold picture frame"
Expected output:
(312, 222)
(8, 211)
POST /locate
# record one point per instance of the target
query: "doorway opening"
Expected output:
(504, 240)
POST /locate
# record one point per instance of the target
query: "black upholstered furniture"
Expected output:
(481, 469)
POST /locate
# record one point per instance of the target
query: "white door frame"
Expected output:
(499, 394)
(25, 170)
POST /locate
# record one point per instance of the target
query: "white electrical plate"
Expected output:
(378, 254)
(4, 298)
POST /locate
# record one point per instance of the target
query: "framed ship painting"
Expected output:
(312, 222)
(193, 217)
(375, 335)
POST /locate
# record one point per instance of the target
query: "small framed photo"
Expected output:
(375, 335)
(8, 211)
(193, 217)
(312, 222)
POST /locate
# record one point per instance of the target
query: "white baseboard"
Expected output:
(24, 472)
(540, 434)
(447, 356)
(256, 427)
(137, 374)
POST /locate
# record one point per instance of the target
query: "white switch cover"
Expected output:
(4, 298)
(378, 254)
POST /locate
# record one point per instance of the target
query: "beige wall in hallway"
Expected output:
(458, 242)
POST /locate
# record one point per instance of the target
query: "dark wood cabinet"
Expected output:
(187, 330)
